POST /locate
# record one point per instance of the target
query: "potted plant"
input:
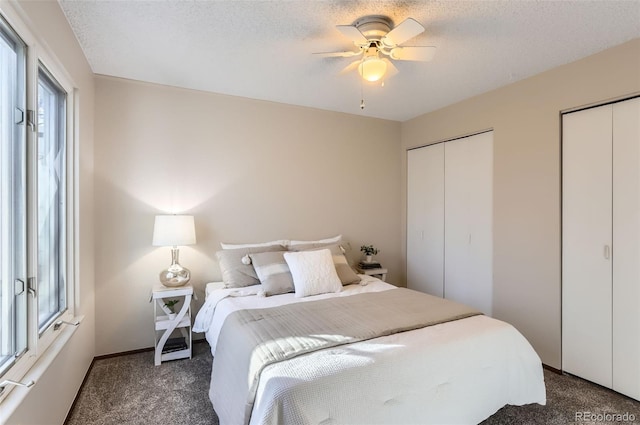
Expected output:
(170, 305)
(369, 252)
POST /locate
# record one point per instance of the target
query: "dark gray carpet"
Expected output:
(567, 395)
(131, 390)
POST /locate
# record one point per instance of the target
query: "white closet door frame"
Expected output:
(468, 256)
(586, 244)
(425, 215)
(626, 244)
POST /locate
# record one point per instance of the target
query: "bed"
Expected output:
(457, 372)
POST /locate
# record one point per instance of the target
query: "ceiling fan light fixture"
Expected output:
(372, 68)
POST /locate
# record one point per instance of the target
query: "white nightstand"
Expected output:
(380, 273)
(166, 323)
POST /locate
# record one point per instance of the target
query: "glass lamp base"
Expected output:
(175, 276)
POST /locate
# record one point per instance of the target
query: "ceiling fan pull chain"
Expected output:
(361, 94)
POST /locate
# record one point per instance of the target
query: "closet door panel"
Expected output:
(626, 247)
(469, 221)
(586, 244)
(425, 217)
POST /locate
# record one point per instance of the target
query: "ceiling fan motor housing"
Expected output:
(374, 27)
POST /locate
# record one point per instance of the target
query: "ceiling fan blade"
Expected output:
(407, 29)
(415, 53)
(337, 54)
(353, 34)
(391, 68)
(352, 66)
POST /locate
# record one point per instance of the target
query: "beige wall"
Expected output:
(247, 170)
(50, 399)
(253, 171)
(525, 117)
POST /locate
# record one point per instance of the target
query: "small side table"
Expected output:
(166, 322)
(380, 273)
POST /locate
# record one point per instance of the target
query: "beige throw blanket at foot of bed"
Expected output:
(253, 339)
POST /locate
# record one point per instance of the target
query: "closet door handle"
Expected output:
(607, 252)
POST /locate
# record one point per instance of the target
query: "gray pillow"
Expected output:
(235, 274)
(345, 272)
(273, 272)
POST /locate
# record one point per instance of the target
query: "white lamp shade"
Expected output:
(174, 230)
(372, 68)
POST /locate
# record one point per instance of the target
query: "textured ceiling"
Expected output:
(262, 49)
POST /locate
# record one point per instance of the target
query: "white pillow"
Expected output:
(252, 245)
(334, 239)
(313, 272)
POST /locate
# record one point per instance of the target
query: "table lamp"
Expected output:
(174, 230)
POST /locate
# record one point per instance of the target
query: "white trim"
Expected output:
(43, 349)
(450, 139)
(600, 103)
(13, 396)
(22, 24)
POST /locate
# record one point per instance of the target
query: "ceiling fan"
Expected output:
(378, 41)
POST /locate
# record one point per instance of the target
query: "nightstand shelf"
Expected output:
(380, 273)
(167, 323)
(164, 322)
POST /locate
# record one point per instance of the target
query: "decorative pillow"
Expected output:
(273, 272)
(335, 239)
(313, 272)
(345, 272)
(281, 242)
(237, 273)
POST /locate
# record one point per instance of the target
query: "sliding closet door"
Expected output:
(469, 221)
(586, 244)
(626, 248)
(425, 216)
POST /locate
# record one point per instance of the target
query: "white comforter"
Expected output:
(459, 372)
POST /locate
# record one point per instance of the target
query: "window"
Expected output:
(51, 196)
(13, 298)
(36, 202)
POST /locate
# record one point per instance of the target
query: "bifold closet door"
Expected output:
(626, 247)
(468, 255)
(586, 244)
(425, 218)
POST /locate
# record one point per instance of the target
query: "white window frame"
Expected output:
(48, 334)
(45, 78)
(26, 366)
(13, 234)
